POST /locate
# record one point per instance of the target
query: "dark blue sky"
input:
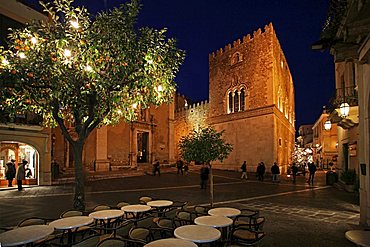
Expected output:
(203, 26)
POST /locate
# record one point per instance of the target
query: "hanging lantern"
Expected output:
(344, 109)
(327, 125)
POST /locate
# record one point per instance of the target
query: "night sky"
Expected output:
(203, 26)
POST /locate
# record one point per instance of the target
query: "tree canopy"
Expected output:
(204, 146)
(87, 70)
(80, 71)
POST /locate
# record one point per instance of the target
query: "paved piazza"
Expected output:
(296, 215)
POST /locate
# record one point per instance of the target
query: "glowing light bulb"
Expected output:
(67, 53)
(5, 62)
(75, 24)
(22, 55)
(119, 112)
(134, 105)
(88, 68)
(34, 40)
(159, 88)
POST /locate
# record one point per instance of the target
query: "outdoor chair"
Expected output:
(101, 207)
(249, 222)
(91, 240)
(122, 204)
(145, 199)
(201, 210)
(112, 242)
(166, 223)
(246, 237)
(184, 218)
(123, 228)
(71, 213)
(33, 221)
(140, 233)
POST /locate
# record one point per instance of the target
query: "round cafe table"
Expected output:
(136, 210)
(197, 234)
(70, 223)
(213, 221)
(107, 217)
(227, 212)
(170, 242)
(25, 235)
(359, 237)
(160, 205)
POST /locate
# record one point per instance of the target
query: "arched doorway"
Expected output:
(18, 151)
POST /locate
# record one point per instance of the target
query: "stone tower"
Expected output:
(251, 97)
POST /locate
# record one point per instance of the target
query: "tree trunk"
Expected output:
(79, 199)
(211, 184)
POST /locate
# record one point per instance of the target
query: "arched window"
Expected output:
(236, 101)
(236, 58)
(230, 102)
(242, 99)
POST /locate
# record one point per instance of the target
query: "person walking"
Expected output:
(180, 165)
(294, 172)
(262, 170)
(244, 170)
(312, 170)
(20, 175)
(156, 168)
(10, 172)
(204, 172)
(275, 171)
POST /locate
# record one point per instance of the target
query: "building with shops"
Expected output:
(251, 97)
(325, 142)
(346, 34)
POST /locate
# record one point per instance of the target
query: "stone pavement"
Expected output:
(296, 215)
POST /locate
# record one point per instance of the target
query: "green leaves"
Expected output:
(88, 71)
(204, 146)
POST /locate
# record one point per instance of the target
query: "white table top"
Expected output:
(71, 222)
(106, 214)
(137, 208)
(160, 203)
(213, 221)
(359, 237)
(170, 242)
(197, 234)
(227, 212)
(25, 235)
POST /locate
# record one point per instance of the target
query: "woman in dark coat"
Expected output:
(10, 172)
(21, 174)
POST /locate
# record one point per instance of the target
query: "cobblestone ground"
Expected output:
(296, 214)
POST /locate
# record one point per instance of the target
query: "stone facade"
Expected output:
(251, 97)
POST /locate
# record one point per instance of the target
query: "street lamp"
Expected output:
(327, 125)
(344, 109)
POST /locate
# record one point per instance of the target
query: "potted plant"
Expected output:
(349, 178)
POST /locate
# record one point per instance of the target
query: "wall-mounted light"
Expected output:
(327, 125)
(344, 109)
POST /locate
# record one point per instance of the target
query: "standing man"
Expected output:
(20, 175)
(156, 168)
(180, 165)
(312, 170)
(275, 171)
(244, 170)
(294, 171)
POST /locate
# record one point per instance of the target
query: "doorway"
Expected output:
(142, 147)
(345, 156)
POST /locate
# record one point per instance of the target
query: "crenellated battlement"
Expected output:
(268, 29)
(196, 107)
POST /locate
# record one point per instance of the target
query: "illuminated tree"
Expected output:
(204, 146)
(80, 72)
